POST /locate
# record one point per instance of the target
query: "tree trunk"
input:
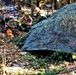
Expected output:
(37, 3)
(68, 1)
(55, 1)
(60, 3)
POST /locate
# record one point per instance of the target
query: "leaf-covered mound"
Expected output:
(54, 33)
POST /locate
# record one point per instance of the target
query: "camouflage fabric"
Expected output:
(39, 17)
(1, 18)
(57, 32)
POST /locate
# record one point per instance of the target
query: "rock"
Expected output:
(22, 53)
(14, 70)
(58, 32)
(2, 35)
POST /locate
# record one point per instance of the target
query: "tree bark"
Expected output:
(37, 3)
(55, 4)
(60, 3)
(68, 1)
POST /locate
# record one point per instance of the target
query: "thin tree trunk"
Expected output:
(68, 1)
(55, 1)
(38, 3)
(60, 3)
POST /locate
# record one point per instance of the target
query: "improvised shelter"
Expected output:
(58, 32)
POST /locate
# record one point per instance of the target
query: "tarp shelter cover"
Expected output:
(58, 32)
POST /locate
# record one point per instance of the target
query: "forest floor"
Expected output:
(32, 64)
